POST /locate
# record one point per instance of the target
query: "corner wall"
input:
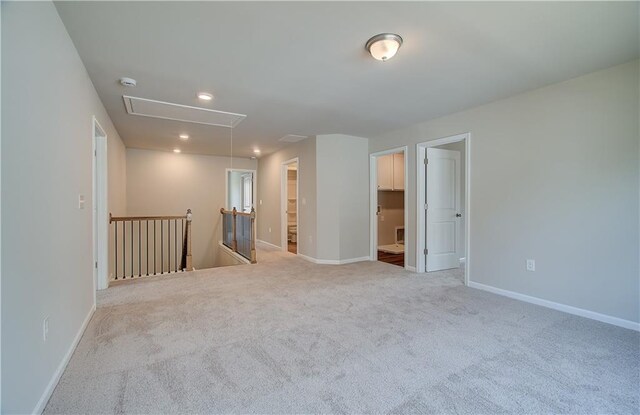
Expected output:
(343, 197)
(268, 210)
(555, 178)
(47, 252)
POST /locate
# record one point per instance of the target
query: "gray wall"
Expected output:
(343, 197)
(165, 183)
(268, 213)
(47, 265)
(333, 196)
(555, 178)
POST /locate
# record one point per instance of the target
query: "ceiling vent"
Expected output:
(169, 111)
(292, 138)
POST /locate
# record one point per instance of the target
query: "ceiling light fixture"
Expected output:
(128, 82)
(383, 46)
(176, 150)
(256, 151)
(184, 137)
(205, 96)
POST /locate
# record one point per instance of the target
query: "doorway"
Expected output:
(290, 179)
(443, 206)
(388, 173)
(241, 190)
(100, 209)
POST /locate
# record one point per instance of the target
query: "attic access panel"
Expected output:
(177, 112)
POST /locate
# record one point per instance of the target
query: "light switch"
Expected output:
(81, 201)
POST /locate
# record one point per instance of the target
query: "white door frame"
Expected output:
(421, 149)
(373, 201)
(100, 208)
(226, 185)
(283, 203)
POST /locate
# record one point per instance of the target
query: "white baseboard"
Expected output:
(63, 364)
(410, 268)
(627, 324)
(334, 261)
(268, 244)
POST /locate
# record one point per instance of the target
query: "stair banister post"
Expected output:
(189, 262)
(253, 236)
(234, 244)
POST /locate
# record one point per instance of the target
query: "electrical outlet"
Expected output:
(269, 230)
(260, 201)
(304, 201)
(80, 201)
(45, 328)
(531, 265)
(381, 218)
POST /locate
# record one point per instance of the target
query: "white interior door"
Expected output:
(443, 209)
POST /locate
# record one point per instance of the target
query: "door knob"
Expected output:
(458, 215)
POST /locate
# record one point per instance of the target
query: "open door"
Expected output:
(443, 209)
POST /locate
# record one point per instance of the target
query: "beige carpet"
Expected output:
(287, 336)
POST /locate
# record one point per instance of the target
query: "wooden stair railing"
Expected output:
(150, 245)
(239, 232)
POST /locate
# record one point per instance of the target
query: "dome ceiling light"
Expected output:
(384, 46)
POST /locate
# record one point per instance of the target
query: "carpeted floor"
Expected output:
(288, 336)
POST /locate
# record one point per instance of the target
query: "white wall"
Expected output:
(555, 178)
(268, 214)
(46, 163)
(165, 183)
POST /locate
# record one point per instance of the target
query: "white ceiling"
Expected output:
(300, 67)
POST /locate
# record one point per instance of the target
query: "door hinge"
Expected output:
(426, 206)
(96, 264)
(95, 153)
(426, 160)
(426, 251)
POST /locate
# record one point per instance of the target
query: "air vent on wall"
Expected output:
(292, 138)
(169, 111)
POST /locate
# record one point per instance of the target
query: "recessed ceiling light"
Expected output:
(257, 151)
(253, 157)
(383, 46)
(205, 96)
(184, 136)
(176, 150)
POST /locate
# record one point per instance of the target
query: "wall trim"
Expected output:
(627, 324)
(44, 399)
(334, 261)
(410, 268)
(269, 244)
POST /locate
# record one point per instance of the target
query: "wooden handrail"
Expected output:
(127, 218)
(223, 211)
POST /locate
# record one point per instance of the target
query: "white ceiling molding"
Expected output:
(177, 112)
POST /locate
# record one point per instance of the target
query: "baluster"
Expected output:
(175, 244)
(161, 246)
(155, 262)
(147, 230)
(139, 251)
(124, 250)
(115, 267)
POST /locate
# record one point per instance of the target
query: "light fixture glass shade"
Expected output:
(384, 46)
